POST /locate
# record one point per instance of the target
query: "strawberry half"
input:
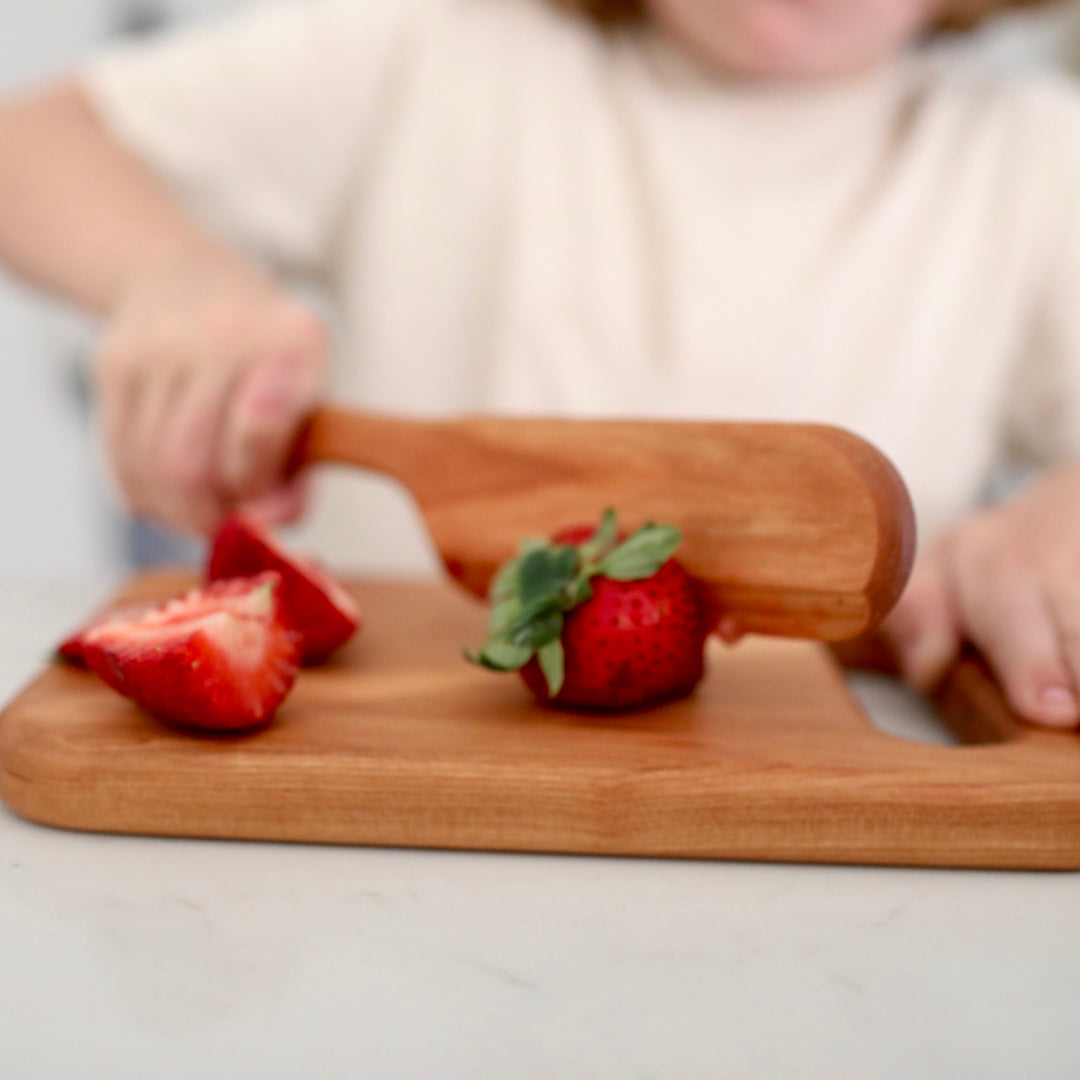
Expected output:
(594, 621)
(218, 658)
(321, 611)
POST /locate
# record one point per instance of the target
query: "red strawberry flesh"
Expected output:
(318, 608)
(219, 658)
(633, 643)
(574, 534)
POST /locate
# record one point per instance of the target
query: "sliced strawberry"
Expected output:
(71, 648)
(319, 609)
(219, 658)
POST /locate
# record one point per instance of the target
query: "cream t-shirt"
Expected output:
(515, 212)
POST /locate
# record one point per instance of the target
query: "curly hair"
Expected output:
(956, 16)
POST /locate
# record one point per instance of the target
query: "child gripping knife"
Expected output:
(682, 208)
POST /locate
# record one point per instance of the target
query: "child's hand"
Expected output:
(204, 377)
(1008, 580)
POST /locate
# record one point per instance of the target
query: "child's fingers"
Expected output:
(268, 407)
(190, 437)
(284, 504)
(923, 628)
(1008, 580)
(135, 425)
(203, 383)
(165, 470)
(1032, 644)
(147, 442)
(1013, 625)
(1064, 603)
(1005, 581)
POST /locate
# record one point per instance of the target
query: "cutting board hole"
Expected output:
(895, 709)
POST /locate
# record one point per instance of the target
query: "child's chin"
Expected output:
(748, 62)
(776, 50)
(765, 41)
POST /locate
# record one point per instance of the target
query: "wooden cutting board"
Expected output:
(400, 742)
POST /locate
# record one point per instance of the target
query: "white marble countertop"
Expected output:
(154, 959)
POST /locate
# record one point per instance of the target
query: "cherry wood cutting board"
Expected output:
(400, 742)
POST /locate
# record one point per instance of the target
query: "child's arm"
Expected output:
(207, 366)
(1007, 579)
(78, 214)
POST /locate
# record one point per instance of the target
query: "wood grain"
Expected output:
(399, 742)
(800, 530)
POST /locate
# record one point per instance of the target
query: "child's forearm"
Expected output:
(79, 214)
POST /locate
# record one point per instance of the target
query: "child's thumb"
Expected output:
(270, 403)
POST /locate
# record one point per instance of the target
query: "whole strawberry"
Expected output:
(595, 621)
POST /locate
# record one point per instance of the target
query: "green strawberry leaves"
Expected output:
(532, 592)
(642, 554)
(552, 660)
(603, 540)
(498, 654)
(544, 571)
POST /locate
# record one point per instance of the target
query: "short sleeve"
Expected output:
(1043, 408)
(260, 122)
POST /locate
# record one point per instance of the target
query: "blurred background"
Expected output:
(60, 520)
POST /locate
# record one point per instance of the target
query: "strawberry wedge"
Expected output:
(219, 658)
(321, 611)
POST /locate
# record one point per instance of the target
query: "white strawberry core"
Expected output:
(242, 639)
(237, 620)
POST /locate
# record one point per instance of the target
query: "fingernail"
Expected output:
(1057, 705)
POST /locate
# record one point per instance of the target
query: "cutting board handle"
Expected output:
(968, 698)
